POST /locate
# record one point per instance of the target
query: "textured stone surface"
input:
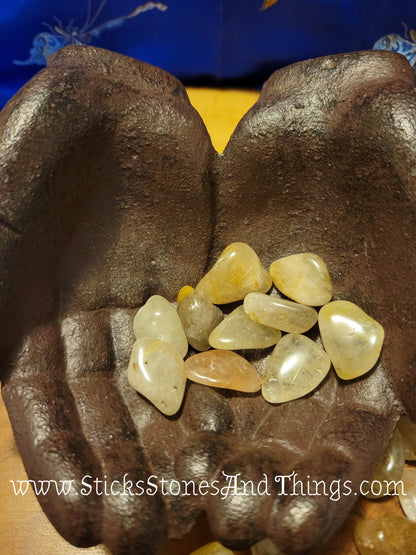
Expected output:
(101, 158)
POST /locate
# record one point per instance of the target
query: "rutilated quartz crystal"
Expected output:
(352, 340)
(237, 271)
(296, 366)
(303, 278)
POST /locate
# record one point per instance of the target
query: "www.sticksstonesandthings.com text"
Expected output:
(228, 485)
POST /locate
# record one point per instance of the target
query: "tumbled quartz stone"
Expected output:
(199, 317)
(279, 313)
(184, 292)
(157, 371)
(388, 470)
(158, 318)
(407, 430)
(351, 337)
(391, 534)
(407, 497)
(303, 277)
(238, 331)
(224, 369)
(265, 547)
(237, 271)
(212, 548)
(296, 367)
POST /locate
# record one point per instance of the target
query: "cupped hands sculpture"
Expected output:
(111, 191)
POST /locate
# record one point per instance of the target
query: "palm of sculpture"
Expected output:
(110, 192)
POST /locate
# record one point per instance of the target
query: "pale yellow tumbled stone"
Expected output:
(388, 470)
(225, 369)
(296, 367)
(265, 547)
(212, 548)
(303, 277)
(199, 317)
(238, 331)
(407, 497)
(157, 371)
(237, 271)
(158, 319)
(390, 534)
(279, 313)
(352, 339)
(407, 429)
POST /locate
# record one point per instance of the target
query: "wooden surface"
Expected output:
(24, 529)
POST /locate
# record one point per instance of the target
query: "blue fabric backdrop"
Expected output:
(207, 41)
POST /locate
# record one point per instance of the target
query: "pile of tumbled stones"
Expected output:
(352, 340)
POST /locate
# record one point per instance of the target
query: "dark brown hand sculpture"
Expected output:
(111, 191)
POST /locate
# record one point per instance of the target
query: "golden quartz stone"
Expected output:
(390, 534)
(279, 313)
(238, 331)
(303, 277)
(157, 318)
(352, 339)
(223, 369)
(237, 271)
(157, 371)
(296, 367)
(212, 548)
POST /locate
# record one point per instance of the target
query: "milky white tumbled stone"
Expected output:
(157, 371)
(351, 337)
(265, 547)
(238, 331)
(407, 497)
(279, 313)
(407, 430)
(388, 470)
(221, 368)
(158, 319)
(199, 317)
(237, 271)
(296, 367)
(303, 277)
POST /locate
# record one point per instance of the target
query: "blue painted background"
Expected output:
(229, 42)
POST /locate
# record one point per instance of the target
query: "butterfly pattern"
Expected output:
(396, 43)
(57, 36)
